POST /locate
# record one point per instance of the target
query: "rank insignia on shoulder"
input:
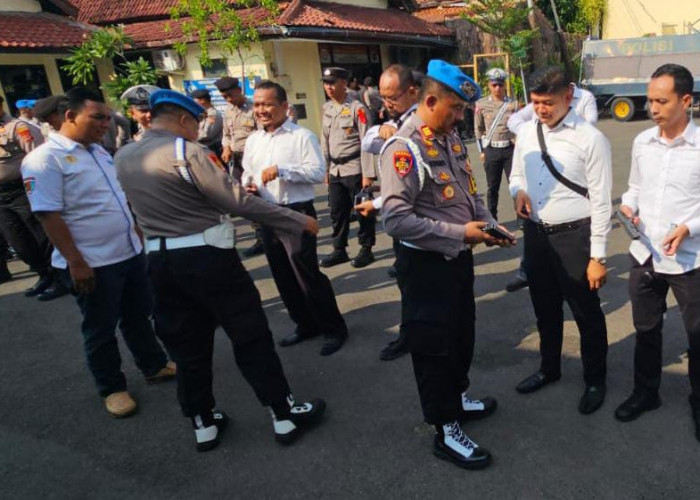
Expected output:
(428, 143)
(362, 116)
(427, 133)
(444, 176)
(215, 160)
(70, 159)
(456, 148)
(448, 192)
(433, 153)
(29, 183)
(472, 185)
(403, 162)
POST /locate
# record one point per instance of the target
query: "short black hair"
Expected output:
(549, 80)
(404, 74)
(167, 108)
(431, 86)
(76, 98)
(280, 93)
(682, 78)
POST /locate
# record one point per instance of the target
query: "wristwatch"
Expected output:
(599, 260)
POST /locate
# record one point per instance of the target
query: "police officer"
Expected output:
(350, 170)
(239, 123)
(212, 126)
(182, 197)
(20, 228)
(431, 204)
(46, 111)
(494, 140)
(136, 98)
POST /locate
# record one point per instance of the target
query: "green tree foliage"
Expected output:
(231, 24)
(108, 44)
(576, 16)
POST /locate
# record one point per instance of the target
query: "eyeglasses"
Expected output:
(394, 99)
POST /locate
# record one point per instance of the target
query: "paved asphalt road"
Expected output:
(56, 441)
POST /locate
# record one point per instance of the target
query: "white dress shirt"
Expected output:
(297, 154)
(81, 184)
(583, 104)
(372, 143)
(664, 187)
(581, 153)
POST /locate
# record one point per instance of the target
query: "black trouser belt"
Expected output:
(11, 186)
(342, 160)
(558, 228)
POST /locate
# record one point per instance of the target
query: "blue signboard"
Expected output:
(217, 99)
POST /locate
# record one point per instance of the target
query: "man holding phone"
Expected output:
(561, 182)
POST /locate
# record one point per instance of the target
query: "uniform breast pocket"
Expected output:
(446, 191)
(684, 172)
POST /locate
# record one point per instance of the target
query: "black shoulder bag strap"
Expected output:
(557, 175)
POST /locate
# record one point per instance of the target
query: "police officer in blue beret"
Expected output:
(183, 197)
(431, 204)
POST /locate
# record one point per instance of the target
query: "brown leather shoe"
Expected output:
(166, 373)
(120, 404)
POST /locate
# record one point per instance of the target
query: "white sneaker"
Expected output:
(287, 427)
(474, 409)
(456, 447)
(208, 429)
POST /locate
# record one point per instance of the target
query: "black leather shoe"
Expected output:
(337, 256)
(519, 282)
(592, 399)
(476, 409)
(41, 285)
(294, 338)
(364, 258)
(333, 344)
(256, 249)
(696, 421)
(635, 405)
(536, 382)
(463, 452)
(5, 275)
(394, 349)
(56, 290)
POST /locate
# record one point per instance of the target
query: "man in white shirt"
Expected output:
(582, 102)
(73, 191)
(564, 196)
(663, 199)
(281, 163)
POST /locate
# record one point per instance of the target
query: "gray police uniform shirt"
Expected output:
(344, 126)
(429, 214)
(239, 123)
(211, 128)
(487, 109)
(81, 185)
(167, 205)
(17, 138)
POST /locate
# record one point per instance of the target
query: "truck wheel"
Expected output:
(622, 109)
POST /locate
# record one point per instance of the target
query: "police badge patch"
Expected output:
(469, 89)
(29, 183)
(403, 163)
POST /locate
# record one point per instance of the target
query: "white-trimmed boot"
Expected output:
(208, 429)
(475, 409)
(452, 444)
(291, 419)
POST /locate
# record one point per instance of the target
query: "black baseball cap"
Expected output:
(335, 73)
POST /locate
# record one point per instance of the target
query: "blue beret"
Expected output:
(170, 96)
(454, 79)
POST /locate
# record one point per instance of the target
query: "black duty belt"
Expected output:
(11, 186)
(558, 228)
(342, 160)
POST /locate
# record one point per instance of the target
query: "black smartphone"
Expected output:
(497, 232)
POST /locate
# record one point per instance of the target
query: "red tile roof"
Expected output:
(352, 17)
(440, 14)
(40, 30)
(118, 11)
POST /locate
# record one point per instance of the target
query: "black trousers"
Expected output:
(437, 319)
(305, 290)
(556, 267)
(341, 198)
(497, 161)
(22, 230)
(196, 290)
(236, 165)
(648, 291)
